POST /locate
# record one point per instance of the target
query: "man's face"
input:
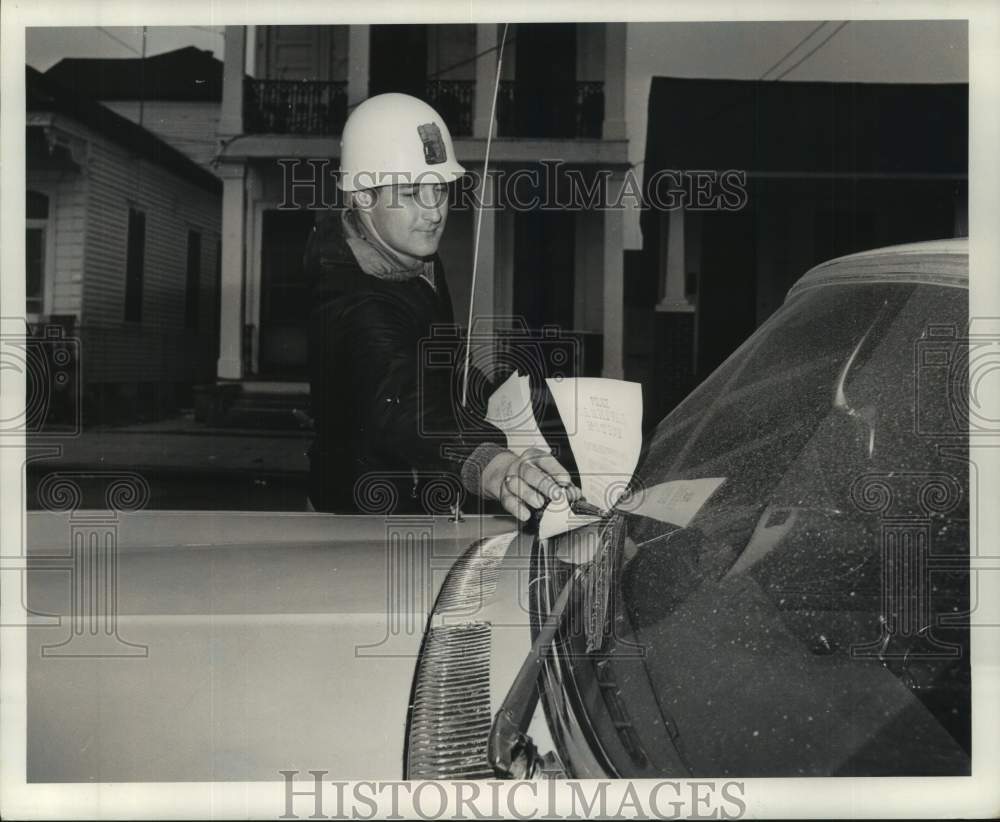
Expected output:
(410, 218)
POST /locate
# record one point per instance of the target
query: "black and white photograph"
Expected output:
(500, 411)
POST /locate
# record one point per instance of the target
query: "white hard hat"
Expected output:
(391, 139)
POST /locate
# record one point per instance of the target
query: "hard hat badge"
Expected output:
(434, 150)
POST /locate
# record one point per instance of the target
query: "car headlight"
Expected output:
(450, 713)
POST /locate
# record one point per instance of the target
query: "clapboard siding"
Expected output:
(67, 221)
(158, 347)
(71, 222)
(190, 127)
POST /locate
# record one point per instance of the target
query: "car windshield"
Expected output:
(798, 624)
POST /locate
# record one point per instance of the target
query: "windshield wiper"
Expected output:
(512, 753)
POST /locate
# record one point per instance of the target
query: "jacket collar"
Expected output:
(375, 257)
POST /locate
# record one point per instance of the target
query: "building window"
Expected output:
(134, 264)
(36, 227)
(192, 286)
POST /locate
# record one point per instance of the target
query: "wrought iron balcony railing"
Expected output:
(524, 108)
(537, 109)
(320, 107)
(454, 101)
(294, 106)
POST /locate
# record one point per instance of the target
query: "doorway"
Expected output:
(284, 299)
(543, 266)
(398, 59)
(545, 70)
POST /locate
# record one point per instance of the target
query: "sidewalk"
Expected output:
(178, 445)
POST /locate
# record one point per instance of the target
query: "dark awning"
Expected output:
(844, 129)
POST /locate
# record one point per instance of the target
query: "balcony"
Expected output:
(524, 108)
(320, 107)
(454, 101)
(565, 110)
(315, 107)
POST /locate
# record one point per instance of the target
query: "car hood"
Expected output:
(238, 645)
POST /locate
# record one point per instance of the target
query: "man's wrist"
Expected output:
(495, 471)
(481, 461)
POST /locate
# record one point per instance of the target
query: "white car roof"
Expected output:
(937, 262)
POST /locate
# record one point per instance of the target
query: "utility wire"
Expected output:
(796, 47)
(468, 60)
(809, 54)
(446, 69)
(793, 49)
(119, 40)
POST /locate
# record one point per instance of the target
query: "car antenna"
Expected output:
(456, 510)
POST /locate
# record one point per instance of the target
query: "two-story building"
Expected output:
(122, 252)
(561, 100)
(176, 95)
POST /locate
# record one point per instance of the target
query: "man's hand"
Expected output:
(528, 482)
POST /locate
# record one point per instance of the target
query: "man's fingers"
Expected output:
(550, 465)
(536, 478)
(522, 486)
(513, 505)
(552, 479)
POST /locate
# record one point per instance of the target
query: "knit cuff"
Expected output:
(475, 465)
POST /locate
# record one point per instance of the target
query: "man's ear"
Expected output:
(363, 198)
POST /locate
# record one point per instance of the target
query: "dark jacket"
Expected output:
(389, 435)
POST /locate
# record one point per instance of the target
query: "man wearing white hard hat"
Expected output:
(379, 290)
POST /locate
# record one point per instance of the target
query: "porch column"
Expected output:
(358, 60)
(486, 73)
(614, 81)
(673, 269)
(614, 285)
(231, 290)
(231, 116)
